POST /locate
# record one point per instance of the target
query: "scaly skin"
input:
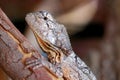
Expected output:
(53, 39)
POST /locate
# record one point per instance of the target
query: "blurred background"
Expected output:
(93, 26)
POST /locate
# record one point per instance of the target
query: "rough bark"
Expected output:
(14, 50)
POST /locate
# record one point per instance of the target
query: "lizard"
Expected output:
(53, 38)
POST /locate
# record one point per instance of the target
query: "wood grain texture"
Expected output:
(15, 49)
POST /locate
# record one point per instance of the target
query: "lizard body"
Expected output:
(53, 39)
(51, 36)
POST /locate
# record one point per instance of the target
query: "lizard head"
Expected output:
(48, 30)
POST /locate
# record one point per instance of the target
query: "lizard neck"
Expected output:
(55, 55)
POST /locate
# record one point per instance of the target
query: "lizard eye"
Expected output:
(45, 18)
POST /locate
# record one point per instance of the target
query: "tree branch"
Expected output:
(14, 50)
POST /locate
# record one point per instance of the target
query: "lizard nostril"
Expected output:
(45, 18)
